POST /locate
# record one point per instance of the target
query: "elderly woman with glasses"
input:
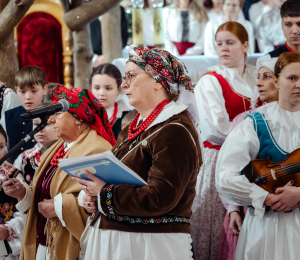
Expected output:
(55, 221)
(161, 145)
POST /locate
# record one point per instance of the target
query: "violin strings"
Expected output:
(282, 171)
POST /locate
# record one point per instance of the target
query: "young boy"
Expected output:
(31, 86)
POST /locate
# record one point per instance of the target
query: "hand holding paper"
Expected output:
(93, 187)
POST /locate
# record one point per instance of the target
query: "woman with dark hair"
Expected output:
(106, 80)
(213, 8)
(184, 25)
(271, 227)
(161, 145)
(225, 91)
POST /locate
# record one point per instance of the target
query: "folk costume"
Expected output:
(28, 162)
(221, 94)
(61, 238)
(8, 100)
(183, 33)
(115, 115)
(271, 132)
(153, 221)
(10, 217)
(210, 44)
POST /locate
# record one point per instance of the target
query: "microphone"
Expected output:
(61, 106)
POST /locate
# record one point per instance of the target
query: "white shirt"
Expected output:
(210, 44)
(212, 14)
(148, 27)
(173, 31)
(10, 101)
(256, 13)
(242, 146)
(269, 32)
(214, 119)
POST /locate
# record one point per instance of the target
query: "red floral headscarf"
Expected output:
(162, 66)
(85, 107)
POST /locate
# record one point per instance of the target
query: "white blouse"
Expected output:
(256, 13)
(210, 44)
(10, 101)
(214, 119)
(173, 31)
(242, 146)
(213, 15)
(269, 33)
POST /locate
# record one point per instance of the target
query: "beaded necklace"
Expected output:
(58, 155)
(135, 131)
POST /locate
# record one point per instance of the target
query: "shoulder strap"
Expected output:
(219, 77)
(268, 145)
(141, 141)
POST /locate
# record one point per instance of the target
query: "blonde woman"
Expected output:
(184, 25)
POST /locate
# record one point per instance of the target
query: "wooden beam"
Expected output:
(83, 53)
(111, 34)
(11, 15)
(85, 13)
(9, 63)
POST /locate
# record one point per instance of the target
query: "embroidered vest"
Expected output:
(235, 103)
(268, 146)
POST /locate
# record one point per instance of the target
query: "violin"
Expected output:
(272, 175)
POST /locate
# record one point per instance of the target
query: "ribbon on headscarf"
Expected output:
(162, 66)
(85, 107)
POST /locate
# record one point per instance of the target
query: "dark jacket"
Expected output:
(169, 162)
(276, 53)
(17, 130)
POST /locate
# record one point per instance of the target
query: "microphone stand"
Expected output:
(39, 127)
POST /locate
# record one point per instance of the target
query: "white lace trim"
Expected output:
(258, 196)
(80, 198)
(276, 114)
(58, 205)
(173, 108)
(190, 241)
(99, 205)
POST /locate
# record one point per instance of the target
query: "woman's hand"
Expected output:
(91, 188)
(12, 191)
(90, 204)
(235, 222)
(47, 209)
(3, 233)
(286, 200)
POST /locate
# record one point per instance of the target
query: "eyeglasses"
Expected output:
(129, 78)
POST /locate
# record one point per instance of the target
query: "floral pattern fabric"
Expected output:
(85, 107)
(162, 66)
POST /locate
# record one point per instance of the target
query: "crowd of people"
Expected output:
(190, 144)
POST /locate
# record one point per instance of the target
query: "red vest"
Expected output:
(235, 103)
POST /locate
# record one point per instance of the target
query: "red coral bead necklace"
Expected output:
(58, 155)
(135, 131)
